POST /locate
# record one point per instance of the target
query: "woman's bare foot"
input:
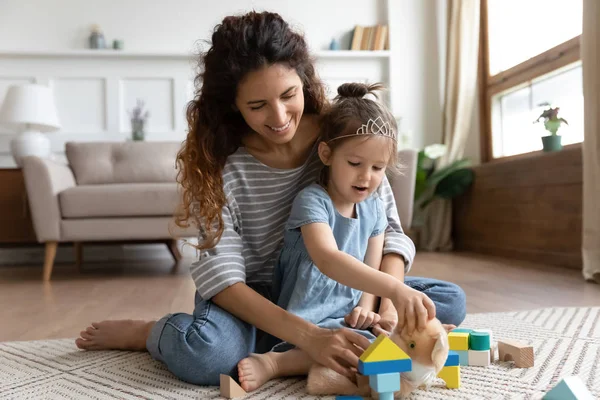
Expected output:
(256, 370)
(115, 335)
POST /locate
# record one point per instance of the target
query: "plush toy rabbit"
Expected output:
(427, 349)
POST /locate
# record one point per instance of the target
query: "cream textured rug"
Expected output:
(566, 342)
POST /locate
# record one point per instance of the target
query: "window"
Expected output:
(529, 55)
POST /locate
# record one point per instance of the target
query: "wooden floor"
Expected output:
(33, 310)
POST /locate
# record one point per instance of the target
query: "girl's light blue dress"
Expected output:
(299, 286)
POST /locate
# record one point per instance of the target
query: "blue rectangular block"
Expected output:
(349, 398)
(384, 367)
(382, 383)
(453, 359)
(463, 357)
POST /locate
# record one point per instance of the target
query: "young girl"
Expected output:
(334, 226)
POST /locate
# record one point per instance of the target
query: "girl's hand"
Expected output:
(361, 318)
(387, 323)
(414, 308)
(337, 349)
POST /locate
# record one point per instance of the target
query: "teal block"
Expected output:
(384, 367)
(382, 383)
(463, 330)
(569, 388)
(463, 357)
(479, 341)
(453, 359)
(349, 398)
(386, 396)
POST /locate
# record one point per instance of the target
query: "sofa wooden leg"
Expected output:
(172, 245)
(49, 259)
(78, 255)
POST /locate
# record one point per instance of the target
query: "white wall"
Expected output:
(418, 36)
(418, 39)
(173, 25)
(94, 93)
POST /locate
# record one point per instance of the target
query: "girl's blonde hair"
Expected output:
(351, 110)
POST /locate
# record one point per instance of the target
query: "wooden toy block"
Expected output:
(230, 388)
(384, 367)
(520, 353)
(488, 331)
(383, 349)
(386, 396)
(569, 388)
(493, 349)
(479, 341)
(458, 341)
(462, 330)
(463, 357)
(452, 360)
(450, 375)
(349, 398)
(480, 358)
(382, 383)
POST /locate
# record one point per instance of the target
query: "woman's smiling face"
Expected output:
(271, 101)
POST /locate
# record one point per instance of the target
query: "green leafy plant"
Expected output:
(447, 182)
(552, 122)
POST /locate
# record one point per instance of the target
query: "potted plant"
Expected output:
(138, 119)
(552, 122)
(447, 182)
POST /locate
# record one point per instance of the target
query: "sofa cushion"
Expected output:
(122, 162)
(119, 200)
(139, 228)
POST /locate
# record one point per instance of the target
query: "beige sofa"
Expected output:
(108, 192)
(128, 192)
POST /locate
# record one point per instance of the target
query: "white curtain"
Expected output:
(459, 101)
(590, 56)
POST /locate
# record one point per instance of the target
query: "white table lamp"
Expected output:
(29, 110)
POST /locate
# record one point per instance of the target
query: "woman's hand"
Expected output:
(414, 308)
(361, 318)
(337, 349)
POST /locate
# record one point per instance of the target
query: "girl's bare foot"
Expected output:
(115, 335)
(256, 370)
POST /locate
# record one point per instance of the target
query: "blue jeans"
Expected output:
(198, 348)
(450, 300)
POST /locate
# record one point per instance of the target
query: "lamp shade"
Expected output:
(30, 106)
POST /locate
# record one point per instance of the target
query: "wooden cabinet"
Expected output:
(15, 218)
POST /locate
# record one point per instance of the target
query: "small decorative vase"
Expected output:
(137, 130)
(552, 143)
(118, 44)
(97, 38)
(334, 45)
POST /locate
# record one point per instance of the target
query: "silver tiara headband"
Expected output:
(376, 127)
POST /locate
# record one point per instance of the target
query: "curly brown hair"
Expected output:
(239, 45)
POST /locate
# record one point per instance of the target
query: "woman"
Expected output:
(253, 127)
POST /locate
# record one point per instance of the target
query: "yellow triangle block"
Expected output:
(383, 349)
(451, 375)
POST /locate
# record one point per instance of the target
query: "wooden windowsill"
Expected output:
(533, 154)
